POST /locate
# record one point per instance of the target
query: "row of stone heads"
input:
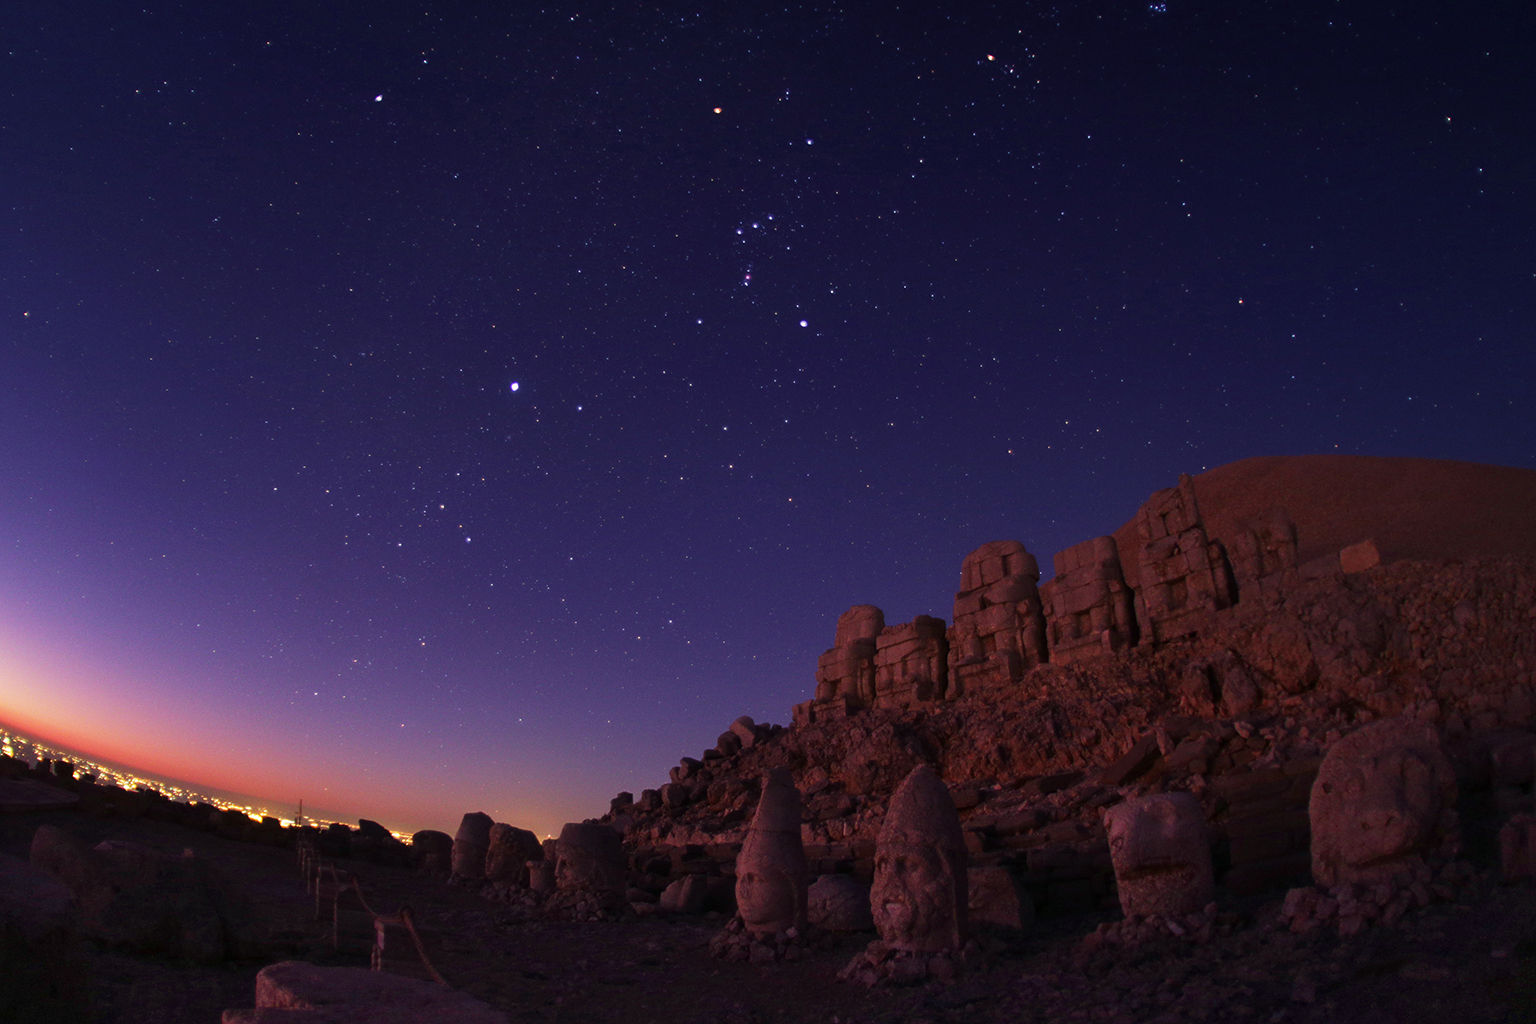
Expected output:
(585, 856)
(1382, 807)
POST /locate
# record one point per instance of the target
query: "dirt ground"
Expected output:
(1474, 960)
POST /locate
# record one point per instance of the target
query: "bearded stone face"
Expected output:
(919, 897)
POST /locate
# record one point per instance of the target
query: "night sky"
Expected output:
(477, 406)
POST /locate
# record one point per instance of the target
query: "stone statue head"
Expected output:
(919, 897)
(589, 857)
(1380, 798)
(771, 870)
(1161, 851)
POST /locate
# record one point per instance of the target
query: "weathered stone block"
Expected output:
(1183, 576)
(996, 899)
(848, 669)
(470, 844)
(911, 662)
(1089, 609)
(1161, 852)
(999, 629)
(1263, 547)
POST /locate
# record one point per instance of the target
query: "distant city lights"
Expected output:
(33, 751)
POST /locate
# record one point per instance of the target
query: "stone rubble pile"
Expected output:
(1350, 907)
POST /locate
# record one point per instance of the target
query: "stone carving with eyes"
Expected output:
(1384, 797)
(589, 857)
(772, 874)
(1161, 851)
(918, 899)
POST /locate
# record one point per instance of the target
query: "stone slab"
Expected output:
(25, 796)
(293, 985)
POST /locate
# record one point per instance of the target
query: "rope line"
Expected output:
(313, 870)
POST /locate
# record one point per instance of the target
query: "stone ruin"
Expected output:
(771, 870)
(1006, 623)
(589, 857)
(1161, 851)
(509, 851)
(1183, 576)
(470, 845)
(1384, 830)
(1089, 609)
(919, 894)
(845, 675)
(1265, 547)
(999, 630)
(772, 920)
(911, 662)
(919, 899)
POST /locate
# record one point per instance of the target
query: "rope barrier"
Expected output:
(313, 868)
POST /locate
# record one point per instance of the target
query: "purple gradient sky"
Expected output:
(274, 520)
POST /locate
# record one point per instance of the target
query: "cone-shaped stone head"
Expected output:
(771, 870)
(919, 895)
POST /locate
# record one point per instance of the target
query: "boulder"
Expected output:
(745, 730)
(686, 895)
(43, 971)
(470, 845)
(995, 898)
(839, 903)
(509, 851)
(373, 831)
(432, 852)
(139, 899)
(541, 876)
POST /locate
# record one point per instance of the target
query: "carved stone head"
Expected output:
(589, 857)
(1161, 851)
(1383, 796)
(919, 894)
(771, 870)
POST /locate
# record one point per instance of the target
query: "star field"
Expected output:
(479, 408)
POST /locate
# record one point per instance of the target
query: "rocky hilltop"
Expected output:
(1220, 643)
(1265, 753)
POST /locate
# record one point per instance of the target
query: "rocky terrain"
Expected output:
(1214, 769)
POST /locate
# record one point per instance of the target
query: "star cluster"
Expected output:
(478, 408)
